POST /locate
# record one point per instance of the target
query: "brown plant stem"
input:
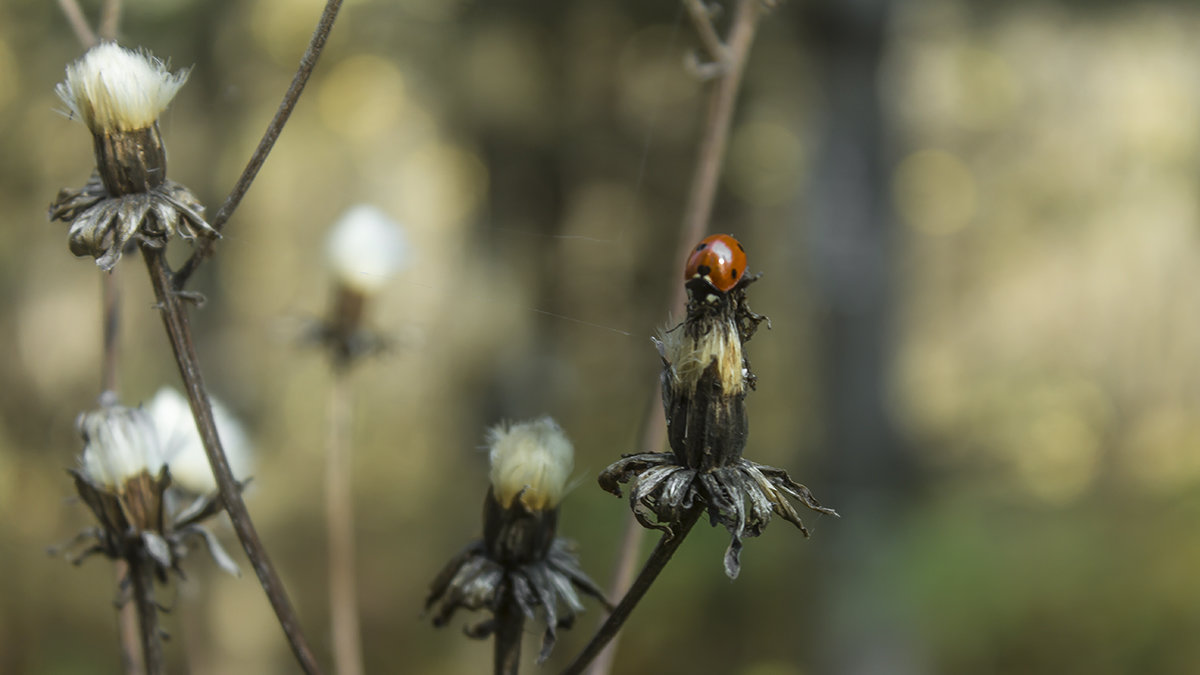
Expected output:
(339, 519)
(180, 334)
(127, 620)
(711, 159)
(307, 63)
(141, 576)
(510, 628)
(79, 23)
(110, 19)
(127, 628)
(659, 557)
(731, 57)
(110, 330)
(654, 435)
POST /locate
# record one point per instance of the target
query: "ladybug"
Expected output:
(718, 259)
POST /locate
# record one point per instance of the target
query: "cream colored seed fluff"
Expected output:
(116, 89)
(182, 449)
(121, 443)
(532, 456)
(365, 248)
(690, 357)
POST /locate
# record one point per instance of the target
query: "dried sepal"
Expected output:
(102, 225)
(472, 580)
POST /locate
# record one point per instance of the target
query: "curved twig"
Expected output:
(307, 63)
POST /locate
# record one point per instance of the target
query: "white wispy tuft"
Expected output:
(534, 457)
(366, 248)
(182, 449)
(120, 443)
(112, 88)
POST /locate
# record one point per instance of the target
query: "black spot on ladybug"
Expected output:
(733, 273)
(703, 270)
(739, 246)
(701, 246)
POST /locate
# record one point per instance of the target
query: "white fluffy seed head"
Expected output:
(116, 89)
(119, 444)
(691, 356)
(182, 449)
(533, 459)
(366, 248)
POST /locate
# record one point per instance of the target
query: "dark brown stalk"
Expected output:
(731, 58)
(658, 559)
(180, 333)
(141, 576)
(339, 518)
(510, 628)
(307, 63)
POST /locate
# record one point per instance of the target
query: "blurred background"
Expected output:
(977, 228)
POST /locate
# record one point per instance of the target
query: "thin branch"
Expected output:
(339, 514)
(654, 565)
(697, 217)
(510, 628)
(716, 134)
(702, 19)
(141, 574)
(127, 626)
(307, 63)
(79, 23)
(110, 330)
(110, 19)
(653, 436)
(180, 333)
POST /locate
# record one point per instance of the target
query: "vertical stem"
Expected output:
(711, 159)
(180, 334)
(127, 627)
(510, 628)
(110, 19)
(127, 618)
(110, 330)
(79, 23)
(696, 220)
(654, 565)
(339, 514)
(141, 573)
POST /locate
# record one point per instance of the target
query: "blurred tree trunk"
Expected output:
(864, 625)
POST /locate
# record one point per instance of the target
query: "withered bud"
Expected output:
(119, 94)
(519, 563)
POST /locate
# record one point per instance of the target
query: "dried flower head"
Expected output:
(706, 376)
(124, 480)
(365, 249)
(116, 89)
(119, 95)
(530, 459)
(519, 560)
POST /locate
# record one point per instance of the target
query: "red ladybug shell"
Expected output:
(718, 258)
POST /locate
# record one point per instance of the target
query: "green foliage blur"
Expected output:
(1041, 372)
